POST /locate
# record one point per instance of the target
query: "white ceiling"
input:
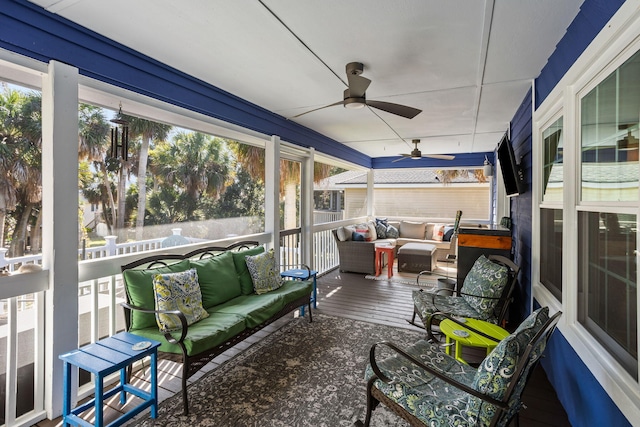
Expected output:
(466, 63)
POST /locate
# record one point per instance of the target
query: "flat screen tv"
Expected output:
(512, 174)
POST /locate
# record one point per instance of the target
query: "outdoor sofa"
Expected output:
(235, 307)
(358, 256)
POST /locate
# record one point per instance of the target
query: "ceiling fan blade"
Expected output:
(397, 109)
(440, 156)
(404, 156)
(357, 85)
(320, 108)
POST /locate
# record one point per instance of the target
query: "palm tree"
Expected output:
(194, 164)
(9, 105)
(252, 159)
(148, 131)
(93, 145)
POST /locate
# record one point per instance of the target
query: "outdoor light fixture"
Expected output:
(487, 168)
(120, 138)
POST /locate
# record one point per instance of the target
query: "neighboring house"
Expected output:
(424, 191)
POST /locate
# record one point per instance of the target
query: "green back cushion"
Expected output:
(246, 284)
(218, 279)
(139, 285)
(485, 279)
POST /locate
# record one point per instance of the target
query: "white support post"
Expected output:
(306, 216)
(370, 183)
(60, 222)
(272, 193)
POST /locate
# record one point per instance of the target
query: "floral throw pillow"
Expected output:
(487, 280)
(178, 291)
(264, 272)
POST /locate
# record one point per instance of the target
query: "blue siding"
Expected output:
(521, 210)
(33, 32)
(585, 401)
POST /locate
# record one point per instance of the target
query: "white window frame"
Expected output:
(617, 42)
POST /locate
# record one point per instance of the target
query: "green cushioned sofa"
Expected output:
(234, 310)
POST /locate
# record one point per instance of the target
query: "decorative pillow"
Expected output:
(438, 232)
(363, 229)
(412, 230)
(358, 237)
(383, 221)
(485, 279)
(392, 232)
(343, 234)
(448, 233)
(264, 272)
(381, 230)
(372, 230)
(178, 291)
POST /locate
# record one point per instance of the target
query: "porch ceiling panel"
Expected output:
(466, 64)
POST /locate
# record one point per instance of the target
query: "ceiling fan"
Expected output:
(417, 154)
(354, 95)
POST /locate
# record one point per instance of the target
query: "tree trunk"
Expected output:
(3, 217)
(120, 213)
(112, 204)
(142, 187)
(36, 234)
(290, 206)
(19, 238)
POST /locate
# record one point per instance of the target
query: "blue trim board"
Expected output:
(591, 18)
(33, 32)
(462, 160)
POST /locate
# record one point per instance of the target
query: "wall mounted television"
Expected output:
(512, 173)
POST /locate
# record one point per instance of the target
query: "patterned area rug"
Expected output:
(304, 374)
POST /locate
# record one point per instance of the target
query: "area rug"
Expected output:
(304, 374)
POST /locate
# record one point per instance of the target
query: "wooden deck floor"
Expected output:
(379, 301)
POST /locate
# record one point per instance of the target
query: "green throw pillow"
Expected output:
(139, 284)
(218, 279)
(485, 279)
(246, 284)
(178, 291)
(264, 272)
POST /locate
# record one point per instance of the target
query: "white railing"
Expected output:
(100, 290)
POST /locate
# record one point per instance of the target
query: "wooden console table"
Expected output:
(473, 242)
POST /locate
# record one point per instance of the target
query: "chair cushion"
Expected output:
(178, 291)
(426, 304)
(343, 234)
(264, 272)
(139, 285)
(430, 399)
(496, 371)
(412, 230)
(485, 279)
(246, 284)
(218, 279)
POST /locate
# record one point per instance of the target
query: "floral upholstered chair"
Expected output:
(426, 387)
(485, 294)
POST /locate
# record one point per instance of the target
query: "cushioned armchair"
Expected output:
(426, 387)
(485, 294)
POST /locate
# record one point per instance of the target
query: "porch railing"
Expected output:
(100, 291)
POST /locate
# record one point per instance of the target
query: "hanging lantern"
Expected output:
(120, 138)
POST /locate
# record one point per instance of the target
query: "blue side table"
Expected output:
(103, 358)
(304, 274)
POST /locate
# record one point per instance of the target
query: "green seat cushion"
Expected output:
(255, 308)
(203, 335)
(218, 279)
(239, 259)
(139, 285)
(487, 280)
(292, 290)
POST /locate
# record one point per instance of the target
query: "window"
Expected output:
(609, 136)
(607, 282)
(553, 158)
(551, 250)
